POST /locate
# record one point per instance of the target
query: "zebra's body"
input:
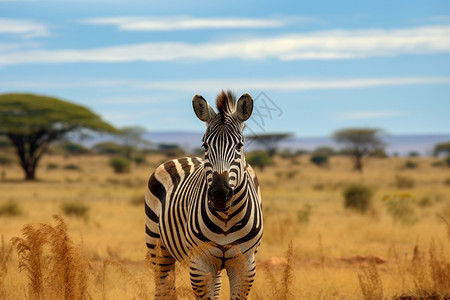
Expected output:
(189, 219)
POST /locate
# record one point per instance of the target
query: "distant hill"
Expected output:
(400, 144)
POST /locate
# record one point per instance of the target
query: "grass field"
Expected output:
(313, 248)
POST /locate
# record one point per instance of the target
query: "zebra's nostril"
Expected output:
(210, 194)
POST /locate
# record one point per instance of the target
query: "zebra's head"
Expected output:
(224, 144)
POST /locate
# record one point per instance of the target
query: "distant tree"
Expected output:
(33, 122)
(108, 147)
(360, 143)
(171, 150)
(132, 139)
(442, 148)
(73, 148)
(269, 141)
(324, 150)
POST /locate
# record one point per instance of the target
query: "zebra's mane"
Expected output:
(226, 103)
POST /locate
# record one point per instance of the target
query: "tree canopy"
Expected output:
(31, 122)
(360, 143)
(442, 148)
(269, 141)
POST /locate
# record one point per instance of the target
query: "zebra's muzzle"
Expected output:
(220, 192)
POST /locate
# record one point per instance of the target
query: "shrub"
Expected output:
(358, 196)
(259, 159)
(120, 164)
(140, 159)
(447, 161)
(303, 215)
(10, 209)
(401, 208)
(403, 182)
(319, 159)
(5, 160)
(52, 166)
(410, 164)
(72, 167)
(75, 209)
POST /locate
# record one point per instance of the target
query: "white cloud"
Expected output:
(239, 84)
(24, 28)
(182, 23)
(336, 44)
(365, 115)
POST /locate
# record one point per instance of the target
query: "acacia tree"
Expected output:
(32, 122)
(359, 143)
(269, 141)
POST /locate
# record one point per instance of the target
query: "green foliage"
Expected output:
(52, 166)
(328, 151)
(401, 208)
(33, 122)
(409, 164)
(171, 150)
(120, 164)
(73, 148)
(320, 160)
(304, 214)
(5, 160)
(72, 167)
(404, 182)
(259, 159)
(140, 159)
(108, 148)
(358, 196)
(10, 209)
(360, 143)
(442, 148)
(75, 209)
(447, 161)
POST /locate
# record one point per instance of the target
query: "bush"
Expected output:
(403, 182)
(447, 161)
(140, 159)
(319, 159)
(10, 209)
(358, 196)
(401, 208)
(5, 160)
(73, 167)
(120, 164)
(259, 159)
(304, 214)
(78, 210)
(410, 164)
(52, 166)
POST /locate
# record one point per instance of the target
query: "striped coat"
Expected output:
(207, 213)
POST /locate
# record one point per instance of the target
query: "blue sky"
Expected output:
(313, 67)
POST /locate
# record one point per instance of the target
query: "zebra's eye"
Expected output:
(205, 146)
(239, 146)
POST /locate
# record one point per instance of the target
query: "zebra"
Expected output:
(207, 212)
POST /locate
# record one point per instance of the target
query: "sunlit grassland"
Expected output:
(331, 247)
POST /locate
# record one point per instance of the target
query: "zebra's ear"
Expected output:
(202, 109)
(244, 108)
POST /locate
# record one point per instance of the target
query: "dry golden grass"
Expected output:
(314, 247)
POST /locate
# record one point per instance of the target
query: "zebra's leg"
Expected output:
(241, 273)
(164, 268)
(206, 280)
(217, 284)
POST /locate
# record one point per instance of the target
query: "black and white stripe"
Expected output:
(181, 223)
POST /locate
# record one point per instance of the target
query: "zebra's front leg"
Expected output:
(164, 268)
(206, 280)
(241, 273)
